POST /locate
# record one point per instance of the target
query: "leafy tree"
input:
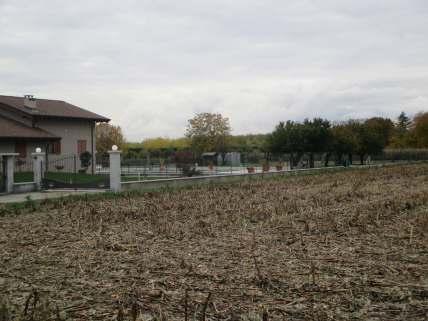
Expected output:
(106, 136)
(248, 143)
(403, 123)
(384, 127)
(316, 137)
(133, 150)
(311, 136)
(287, 138)
(133, 146)
(419, 130)
(364, 138)
(85, 160)
(402, 135)
(278, 139)
(208, 132)
(163, 143)
(371, 139)
(344, 141)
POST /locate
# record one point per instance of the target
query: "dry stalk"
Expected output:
(371, 244)
(120, 314)
(204, 307)
(186, 304)
(265, 315)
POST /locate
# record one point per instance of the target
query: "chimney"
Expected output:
(30, 102)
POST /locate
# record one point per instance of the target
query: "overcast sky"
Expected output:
(150, 65)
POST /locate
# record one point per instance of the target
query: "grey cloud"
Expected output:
(150, 65)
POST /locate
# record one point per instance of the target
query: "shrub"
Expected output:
(85, 159)
(189, 171)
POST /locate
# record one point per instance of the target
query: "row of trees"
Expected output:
(208, 132)
(343, 140)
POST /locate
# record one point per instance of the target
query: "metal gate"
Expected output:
(67, 173)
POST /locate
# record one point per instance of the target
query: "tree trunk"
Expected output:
(297, 159)
(350, 158)
(339, 161)
(327, 159)
(362, 159)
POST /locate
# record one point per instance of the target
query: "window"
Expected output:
(81, 147)
(55, 148)
(21, 149)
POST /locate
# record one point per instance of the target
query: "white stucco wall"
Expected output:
(71, 131)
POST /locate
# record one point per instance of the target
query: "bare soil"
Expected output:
(344, 246)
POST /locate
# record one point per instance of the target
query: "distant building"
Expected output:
(232, 159)
(211, 158)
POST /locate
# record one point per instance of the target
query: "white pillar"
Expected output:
(115, 181)
(10, 167)
(38, 168)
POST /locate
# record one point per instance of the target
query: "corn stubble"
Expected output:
(342, 246)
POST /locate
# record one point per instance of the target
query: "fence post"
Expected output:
(115, 183)
(10, 167)
(38, 158)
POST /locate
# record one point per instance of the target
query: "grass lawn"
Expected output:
(76, 178)
(22, 177)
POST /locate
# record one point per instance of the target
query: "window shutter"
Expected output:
(81, 146)
(21, 149)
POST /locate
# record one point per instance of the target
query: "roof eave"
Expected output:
(94, 119)
(28, 138)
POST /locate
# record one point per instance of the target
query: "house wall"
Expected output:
(70, 131)
(9, 147)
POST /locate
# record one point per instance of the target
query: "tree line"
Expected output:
(339, 141)
(342, 140)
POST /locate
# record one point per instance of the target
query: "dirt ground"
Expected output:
(344, 246)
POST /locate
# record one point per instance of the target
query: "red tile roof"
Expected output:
(11, 129)
(51, 108)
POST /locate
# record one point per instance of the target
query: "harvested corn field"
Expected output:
(345, 246)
